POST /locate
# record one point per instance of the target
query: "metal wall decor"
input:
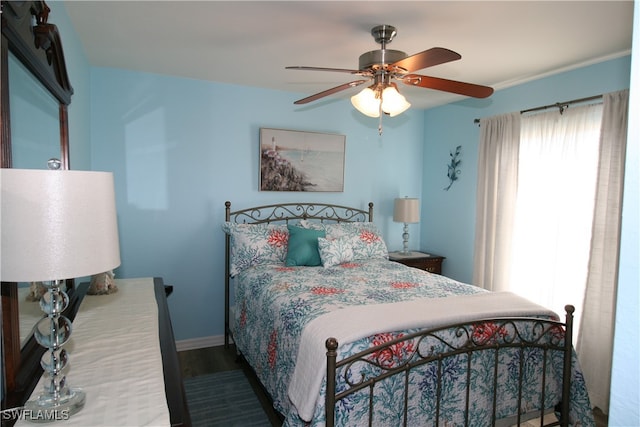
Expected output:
(452, 167)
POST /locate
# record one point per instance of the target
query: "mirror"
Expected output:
(33, 128)
(30, 102)
(31, 146)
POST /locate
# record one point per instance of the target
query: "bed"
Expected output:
(339, 335)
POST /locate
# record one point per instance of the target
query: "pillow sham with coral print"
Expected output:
(256, 244)
(366, 237)
(336, 251)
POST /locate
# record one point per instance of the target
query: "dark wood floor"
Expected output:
(216, 359)
(208, 360)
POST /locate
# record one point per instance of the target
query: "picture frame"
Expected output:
(292, 160)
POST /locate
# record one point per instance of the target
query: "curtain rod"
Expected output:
(560, 105)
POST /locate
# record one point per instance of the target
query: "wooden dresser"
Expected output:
(129, 371)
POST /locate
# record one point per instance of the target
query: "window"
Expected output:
(557, 173)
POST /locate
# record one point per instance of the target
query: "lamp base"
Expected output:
(405, 240)
(44, 408)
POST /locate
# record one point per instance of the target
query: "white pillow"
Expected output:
(335, 251)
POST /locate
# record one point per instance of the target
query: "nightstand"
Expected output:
(428, 262)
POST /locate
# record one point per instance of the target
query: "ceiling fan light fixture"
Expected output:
(393, 103)
(366, 102)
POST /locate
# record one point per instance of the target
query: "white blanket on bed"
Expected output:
(353, 323)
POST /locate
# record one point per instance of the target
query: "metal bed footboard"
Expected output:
(283, 213)
(523, 333)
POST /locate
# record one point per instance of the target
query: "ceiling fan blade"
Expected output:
(330, 91)
(338, 70)
(427, 58)
(461, 88)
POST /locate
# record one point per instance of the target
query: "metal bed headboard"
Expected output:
(278, 213)
(285, 212)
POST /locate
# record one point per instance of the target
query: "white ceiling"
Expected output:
(502, 43)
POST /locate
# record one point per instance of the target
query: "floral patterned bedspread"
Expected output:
(274, 303)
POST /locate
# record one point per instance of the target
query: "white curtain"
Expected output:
(554, 207)
(495, 200)
(596, 340)
(548, 218)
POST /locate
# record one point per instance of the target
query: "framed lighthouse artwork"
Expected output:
(293, 160)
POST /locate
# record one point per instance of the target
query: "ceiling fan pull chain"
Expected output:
(380, 122)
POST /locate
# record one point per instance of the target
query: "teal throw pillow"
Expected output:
(303, 247)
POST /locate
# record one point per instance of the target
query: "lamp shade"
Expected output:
(406, 210)
(57, 225)
(366, 102)
(393, 103)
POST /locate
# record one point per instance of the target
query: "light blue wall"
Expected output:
(176, 166)
(448, 223)
(180, 148)
(624, 404)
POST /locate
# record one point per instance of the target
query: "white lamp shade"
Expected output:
(406, 210)
(393, 103)
(366, 102)
(57, 224)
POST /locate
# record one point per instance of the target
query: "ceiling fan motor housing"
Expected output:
(379, 59)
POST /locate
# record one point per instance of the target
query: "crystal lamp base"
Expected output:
(45, 408)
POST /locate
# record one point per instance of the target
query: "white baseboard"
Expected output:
(202, 342)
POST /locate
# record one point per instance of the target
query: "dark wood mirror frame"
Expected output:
(28, 35)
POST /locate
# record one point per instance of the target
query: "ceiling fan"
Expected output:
(385, 66)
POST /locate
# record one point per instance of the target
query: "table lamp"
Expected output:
(56, 225)
(406, 210)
